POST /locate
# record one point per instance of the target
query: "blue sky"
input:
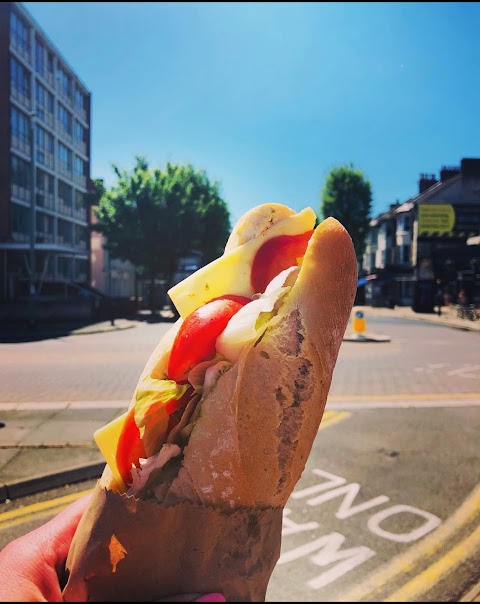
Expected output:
(268, 97)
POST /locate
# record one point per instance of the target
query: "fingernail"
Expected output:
(211, 598)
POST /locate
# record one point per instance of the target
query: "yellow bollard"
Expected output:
(359, 322)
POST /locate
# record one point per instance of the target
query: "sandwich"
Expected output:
(223, 418)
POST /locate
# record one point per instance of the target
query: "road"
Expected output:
(388, 508)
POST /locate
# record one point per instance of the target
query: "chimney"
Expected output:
(448, 172)
(470, 167)
(426, 181)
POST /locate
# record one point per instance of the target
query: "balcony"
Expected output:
(64, 169)
(21, 143)
(18, 237)
(63, 208)
(45, 159)
(23, 50)
(45, 116)
(42, 237)
(45, 200)
(81, 146)
(81, 245)
(21, 192)
(80, 214)
(21, 96)
(63, 132)
(80, 179)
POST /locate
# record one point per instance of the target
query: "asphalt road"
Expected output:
(388, 508)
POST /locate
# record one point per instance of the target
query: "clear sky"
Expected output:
(268, 97)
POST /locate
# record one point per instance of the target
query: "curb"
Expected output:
(30, 486)
(80, 332)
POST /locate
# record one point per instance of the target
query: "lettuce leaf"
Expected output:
(151, 417)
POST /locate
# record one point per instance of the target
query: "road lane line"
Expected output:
(38, 508)
(332, 417)
(32, 517)
(404, 404)
(404, 563)
(434, 573)
(387, 400)
(406, 397)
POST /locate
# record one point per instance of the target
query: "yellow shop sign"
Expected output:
(435, 219)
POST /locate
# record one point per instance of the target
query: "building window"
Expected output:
(64, 83)
(39, 57)
(80, 136)
(81, 270)
(65, 193)
(19, 124)
(65, 265)
(65, 119)
(79, 167)
(49, 67)
(80, 205)
(20, 226)
(20, 34)
(45, 229)
(45, 189)
(40, 144)
(79, 171)
(80, 101)
(406, 254)
(64, 159)
(406, 223)
(19, 82)
(80, 237)
(44, 105)
(65, 232)
(44, 147)
(20, 178)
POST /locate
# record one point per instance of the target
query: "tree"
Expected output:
(347, 196)
(153, 216)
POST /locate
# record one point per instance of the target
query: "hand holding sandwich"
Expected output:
(222, 420)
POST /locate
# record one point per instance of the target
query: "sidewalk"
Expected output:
(44, 445)
(448, 317)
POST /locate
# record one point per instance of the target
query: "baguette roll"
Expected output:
(251, 433)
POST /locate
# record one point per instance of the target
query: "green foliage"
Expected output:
(152, 216)
(347, 196)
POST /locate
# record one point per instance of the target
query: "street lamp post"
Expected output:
(33, 229)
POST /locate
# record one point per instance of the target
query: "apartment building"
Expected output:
(44, 163)
(424, 244)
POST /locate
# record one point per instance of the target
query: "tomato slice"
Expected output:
(195, 340)
(129, 448)
(274, 256)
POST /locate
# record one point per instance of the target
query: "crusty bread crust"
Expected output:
(256, 428)
(255, 222)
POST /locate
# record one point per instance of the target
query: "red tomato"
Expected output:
(195, 341)
(129, 448)
(276, 255)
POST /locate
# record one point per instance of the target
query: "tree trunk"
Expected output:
(153, 305)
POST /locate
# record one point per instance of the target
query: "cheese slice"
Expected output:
(107, 440)
(230, 274)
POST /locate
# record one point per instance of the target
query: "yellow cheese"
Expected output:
(230, 274)
(107, 440)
